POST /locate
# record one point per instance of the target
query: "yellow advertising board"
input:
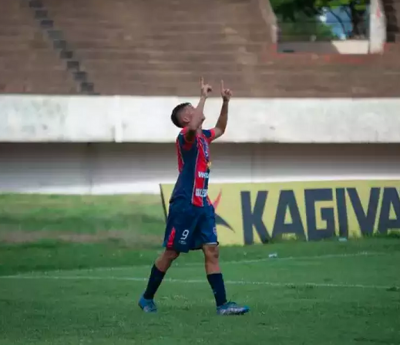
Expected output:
(249, 213)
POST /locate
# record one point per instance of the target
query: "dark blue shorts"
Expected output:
(189, 227)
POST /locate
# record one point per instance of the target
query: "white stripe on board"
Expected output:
(199, 281)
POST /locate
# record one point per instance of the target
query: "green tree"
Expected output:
(302, 12)
(355, 10)
(304, 28)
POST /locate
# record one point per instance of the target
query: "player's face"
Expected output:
(188, 113)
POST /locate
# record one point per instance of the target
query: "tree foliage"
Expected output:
(301, 11)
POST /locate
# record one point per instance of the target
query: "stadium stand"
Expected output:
(28, 63)
(159, 47)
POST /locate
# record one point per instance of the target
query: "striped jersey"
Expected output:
(194, 168)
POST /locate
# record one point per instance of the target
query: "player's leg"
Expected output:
(208, 239)
(177, 239)
(213, 271)
(158, 271)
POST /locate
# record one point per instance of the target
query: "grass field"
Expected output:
(72, 268)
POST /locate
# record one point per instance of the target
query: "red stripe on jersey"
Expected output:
(199, 181)
(195, 200)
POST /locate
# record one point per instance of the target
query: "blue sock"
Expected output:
(218, 287)
(156, 277)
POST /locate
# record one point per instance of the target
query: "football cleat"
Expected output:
(231, 308)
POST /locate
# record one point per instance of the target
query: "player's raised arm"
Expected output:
(198, 115)
(223, 117)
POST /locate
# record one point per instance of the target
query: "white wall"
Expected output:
(329, 47)
(139, 168)
(147, 119)
(377, 27)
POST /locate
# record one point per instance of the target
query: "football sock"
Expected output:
(156, 277)
(218, 287)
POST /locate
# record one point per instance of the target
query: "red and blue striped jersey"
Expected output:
(194, 168)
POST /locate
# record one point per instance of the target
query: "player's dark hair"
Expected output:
(175, 114)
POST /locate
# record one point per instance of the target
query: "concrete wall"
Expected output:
(146, 119)
(331, 47)
(139, 168)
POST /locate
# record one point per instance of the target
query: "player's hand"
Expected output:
(225, 93)
(206, 89)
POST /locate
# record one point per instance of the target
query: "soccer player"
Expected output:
(191, 218)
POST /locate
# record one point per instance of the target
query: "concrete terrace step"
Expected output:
(192, 6)
(160, 47)
(155, 66)
(166, 34)
(27, 61)
(46, 60)
(35, 89)
(271, 89)
(193, 56)
(167, 31)
(173, 49)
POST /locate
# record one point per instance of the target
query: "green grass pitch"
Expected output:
(72, 269)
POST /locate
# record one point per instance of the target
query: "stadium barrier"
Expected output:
(146, 119)
(67, 145)
(258, 212)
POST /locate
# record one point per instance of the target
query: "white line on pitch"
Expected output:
(315, 257)
(232, 262)
(198, 281)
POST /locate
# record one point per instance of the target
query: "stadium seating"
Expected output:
(28, 63)
(160, 47)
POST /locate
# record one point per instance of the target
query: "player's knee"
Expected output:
(211, 253)
(170, 255)
(165, 260)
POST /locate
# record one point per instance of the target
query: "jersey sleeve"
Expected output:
(183, 142)
(209, 134)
